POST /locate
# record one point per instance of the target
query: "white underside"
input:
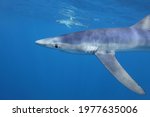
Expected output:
(90, 48)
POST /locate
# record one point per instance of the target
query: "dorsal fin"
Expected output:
(144, 24)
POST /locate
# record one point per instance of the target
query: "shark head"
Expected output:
(78, 42)
(65, 43)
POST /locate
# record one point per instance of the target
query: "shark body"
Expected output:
(104, 43)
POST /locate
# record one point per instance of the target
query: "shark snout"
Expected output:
(49, 42)
(44, 42)
(40, 42)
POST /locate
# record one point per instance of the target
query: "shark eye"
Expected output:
(56, 46)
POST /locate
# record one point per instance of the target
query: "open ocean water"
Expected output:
(29, 71)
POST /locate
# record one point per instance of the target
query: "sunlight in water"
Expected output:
(69, 17)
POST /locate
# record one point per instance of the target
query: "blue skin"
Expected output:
(130, 37)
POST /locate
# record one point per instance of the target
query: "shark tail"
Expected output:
(144, 24)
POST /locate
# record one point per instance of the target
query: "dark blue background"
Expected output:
(28, 71)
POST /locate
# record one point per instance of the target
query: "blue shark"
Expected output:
(104, 43)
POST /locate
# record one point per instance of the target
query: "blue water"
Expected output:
(29, 71)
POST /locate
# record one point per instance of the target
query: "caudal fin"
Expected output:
(144, 24)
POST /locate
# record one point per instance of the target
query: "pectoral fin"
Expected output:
(111, 63)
